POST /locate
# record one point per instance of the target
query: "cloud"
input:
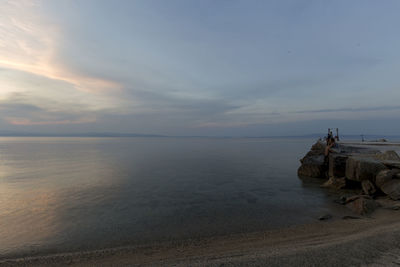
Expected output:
(29, 43)
(16, 110)
(155, 67)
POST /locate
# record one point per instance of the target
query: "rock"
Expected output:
(335, 183)
(318, 148)
(347, 217)
(341, 200)
(325, 217)
(337, 165)
(313, 165)
(355, 197)
(368, 169)
(363, 168)
(388, 203)
(362, 205)
(385, 176)
(392, 189)
(388, 155)
(368, 187)
(391, 164)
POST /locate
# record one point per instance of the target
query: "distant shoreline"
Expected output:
(372, 138)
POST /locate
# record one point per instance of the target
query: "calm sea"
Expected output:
(68, 194)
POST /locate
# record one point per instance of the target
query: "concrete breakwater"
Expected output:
(371, 171)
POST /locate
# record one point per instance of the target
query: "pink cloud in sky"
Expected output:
(28, 43)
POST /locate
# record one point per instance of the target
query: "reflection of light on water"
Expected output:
(37, 185)
(27, 217)
(4, 171)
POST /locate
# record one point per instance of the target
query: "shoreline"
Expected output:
(368, 240)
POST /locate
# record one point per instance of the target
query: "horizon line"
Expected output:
(110, 134)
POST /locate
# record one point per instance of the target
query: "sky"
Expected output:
(210, 67)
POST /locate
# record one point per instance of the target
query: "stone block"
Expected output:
(392, 189)
(363, 168)
(362, 205)
(385, 176)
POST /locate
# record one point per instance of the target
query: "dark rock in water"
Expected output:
(337, 165)
(392, 189)
(388, 155)
(362, 205)
(363, 168)
(335, 183)
(341, 200)
(383, 177)
(349, 217)
(368, 187)
(325, 217)
(313, 164)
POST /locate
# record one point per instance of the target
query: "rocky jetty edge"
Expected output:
(371, 174)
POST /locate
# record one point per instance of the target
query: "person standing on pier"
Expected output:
(330, 144)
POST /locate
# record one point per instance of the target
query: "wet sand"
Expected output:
(368, 241)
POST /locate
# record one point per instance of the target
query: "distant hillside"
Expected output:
(90, 134)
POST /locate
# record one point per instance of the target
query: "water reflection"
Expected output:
(38, 180)
(60, 194)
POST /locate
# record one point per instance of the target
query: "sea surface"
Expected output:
(68, 194)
